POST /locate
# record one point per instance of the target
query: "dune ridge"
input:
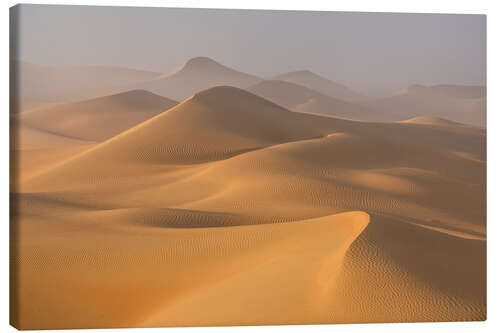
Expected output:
(97, 119)
(195, 75)
(302, 99)
(234, 254)
(431, 121)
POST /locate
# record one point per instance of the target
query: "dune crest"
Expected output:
(426, 120)
(302, 99)
(227, 121)
(225, 257)
(195, 75)
(229, 209)
(97, 119)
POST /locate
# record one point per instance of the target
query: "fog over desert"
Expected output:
(209, 195)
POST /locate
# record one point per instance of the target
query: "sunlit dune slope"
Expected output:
(228, 209)
(222, 122)
(139, 276)
(25, 137)
(97, 119)
(195, 75)
(302, 99)
(28, 162)
(426, 120)
(308, 178)
(214, 124)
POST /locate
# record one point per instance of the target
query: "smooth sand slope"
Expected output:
(46, 135)
(197, 74)
(463, 104)
(318, 83)
(97, 119)
(229, 209)
(135, 275)
(33, 150)
(302, 99)
(35, 83)
(211, 125)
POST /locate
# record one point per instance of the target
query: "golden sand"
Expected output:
(228, 209)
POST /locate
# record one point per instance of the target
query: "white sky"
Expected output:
(375, 53)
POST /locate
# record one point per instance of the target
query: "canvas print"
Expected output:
(201, 167)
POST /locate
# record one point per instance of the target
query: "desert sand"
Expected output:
(96, 119)
(229, 209)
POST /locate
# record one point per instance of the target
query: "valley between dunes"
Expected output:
(132, 210)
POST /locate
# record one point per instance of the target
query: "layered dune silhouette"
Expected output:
(463, 104)
(249, 202)
(97, 119)
(46, 84)
(302, 99)
(197, 74)
(318, 83)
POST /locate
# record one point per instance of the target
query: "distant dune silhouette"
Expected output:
(316, 82)
(195, 75)
(463, 104)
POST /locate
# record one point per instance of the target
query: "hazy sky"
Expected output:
(374, 53)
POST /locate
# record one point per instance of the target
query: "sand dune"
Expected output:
(42, 84)
(97, 119)
(46, 136)
(228, 209)
(230, 121)
(33, 151)
(26, 137)
(427, 120)
(23, 106)
(463, 104)
(34, 161)
(197, 74)
(318, 83)
(225, 257)
(214, 124)
(302, 99)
